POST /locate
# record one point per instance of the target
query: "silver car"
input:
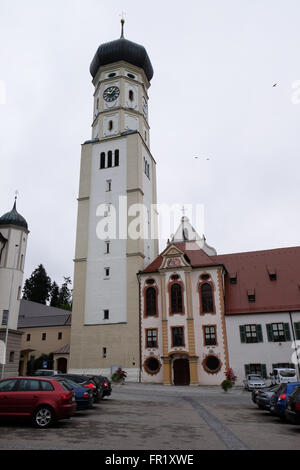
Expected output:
(254, 382)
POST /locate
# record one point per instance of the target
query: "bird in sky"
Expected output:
(203, 157)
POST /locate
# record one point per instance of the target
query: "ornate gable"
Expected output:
(173, 257)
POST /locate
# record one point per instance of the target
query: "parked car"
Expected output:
(86, 381)
(254, 381)
(83, 396)
(279, 376)
(46, 372)
(42, 400)
(264, 397)
(279, 401)
(104, 383)
(292, 412)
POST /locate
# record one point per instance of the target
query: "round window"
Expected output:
(152, 365)
(212, 364)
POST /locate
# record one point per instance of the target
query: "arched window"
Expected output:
(131, 95)
(102, 160)
(207, 302)
(116, 157)
(151, 301)
(176, 298)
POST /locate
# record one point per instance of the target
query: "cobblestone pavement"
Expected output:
(142, 416)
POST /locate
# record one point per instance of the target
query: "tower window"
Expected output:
(130, 75)
(102, 160)
(108, 185)
(109, 159)
(117, 157)
(97, 103)
(106, 314)
(131, 95)
(104, 352)
(107, 247)
(107, 271)
(110, 125)
(44, 337)
(28, 336)
(59, 335)
(112, 74)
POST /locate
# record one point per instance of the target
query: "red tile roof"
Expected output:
(253, 270)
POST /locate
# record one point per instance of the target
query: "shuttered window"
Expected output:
(251, 334)
(297, 330)
(278, 332)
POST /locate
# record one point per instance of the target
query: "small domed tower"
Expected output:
(13, 242)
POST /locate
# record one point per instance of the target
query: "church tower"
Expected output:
(117, 178)
(13, 244)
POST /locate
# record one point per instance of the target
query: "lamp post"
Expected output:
(8, 312)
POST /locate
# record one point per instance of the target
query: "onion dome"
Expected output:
(122, 49)
(13, 218)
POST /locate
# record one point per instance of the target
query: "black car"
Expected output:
(88, 382)
(265, 397)
(105, 383)
(292, 412)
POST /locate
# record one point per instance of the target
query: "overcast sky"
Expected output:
(212, 96)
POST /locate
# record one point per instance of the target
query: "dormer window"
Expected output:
(251, 295)
(272, 273)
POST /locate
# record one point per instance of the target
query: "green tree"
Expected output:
(38, 287)
(54, 295)
(65, 295)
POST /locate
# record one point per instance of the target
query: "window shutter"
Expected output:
(287, 332)
(270, 332)
(247, 369)
(242, 334)
(297, 330)
(259, 334)
(264, 371)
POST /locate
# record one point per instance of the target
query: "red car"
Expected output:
(43, 400)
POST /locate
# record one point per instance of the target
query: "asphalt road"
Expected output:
(144, 417)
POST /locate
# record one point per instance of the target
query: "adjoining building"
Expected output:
(44, 330)
(202, 313)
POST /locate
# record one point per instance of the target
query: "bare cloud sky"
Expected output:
(212, 96)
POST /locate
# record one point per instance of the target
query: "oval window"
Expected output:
(130, 75)
(212, 364)
(152, 365)
(112, 74)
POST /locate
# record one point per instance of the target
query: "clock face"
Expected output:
(111, 93)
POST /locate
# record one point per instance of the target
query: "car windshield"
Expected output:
(287, 373)
(255, 377)
(72, 383)
(65, 385)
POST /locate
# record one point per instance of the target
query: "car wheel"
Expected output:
(43, 417)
